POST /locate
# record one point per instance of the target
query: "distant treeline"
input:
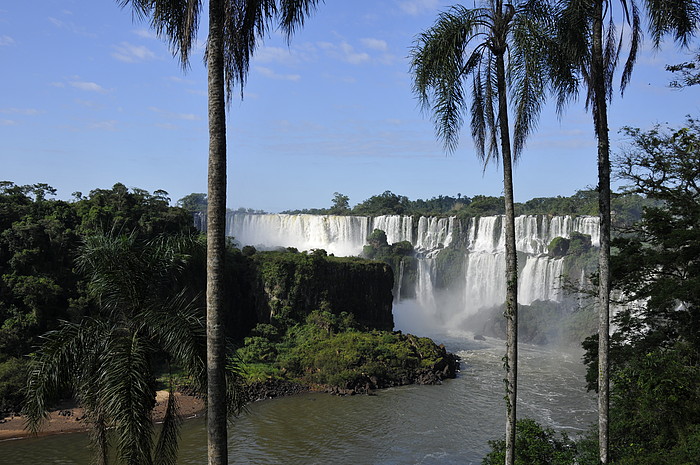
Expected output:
(626, 207)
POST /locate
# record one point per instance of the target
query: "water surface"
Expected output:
(447, 424)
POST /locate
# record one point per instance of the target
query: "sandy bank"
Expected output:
(67, 418)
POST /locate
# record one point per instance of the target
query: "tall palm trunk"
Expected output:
(216, 239)
(601, 129)
(511, 311)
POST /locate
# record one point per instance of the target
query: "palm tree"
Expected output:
(496, 47)
(591, 49)
(144, 312)
(234, 29)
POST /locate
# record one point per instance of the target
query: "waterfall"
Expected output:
(425, 291)
(399, 281)
(397, 228)
(485, 283)
(339, 235)
(540, 279)
(481, 241)
(434, 233)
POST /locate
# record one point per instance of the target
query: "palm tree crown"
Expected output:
(463, 46)
(144, 312)
(499, 48)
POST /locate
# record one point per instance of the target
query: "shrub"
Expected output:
(534, 445)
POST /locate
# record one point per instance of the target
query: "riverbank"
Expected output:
(67, 418)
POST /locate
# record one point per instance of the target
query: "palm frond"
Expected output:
(612, 47)
(478, 120)
(680, 19)
(533, 29)
(293, 13)
(440, 63)
(99, 439)
(167, 445)
(235, 386)
(177, 22)
(491, 114)
(127, 393)
(57, 367)
(634, 22)
(141, 9)
(177, 328)
(246, 23)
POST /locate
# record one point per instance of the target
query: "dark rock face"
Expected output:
(293, 285)
(272, 388)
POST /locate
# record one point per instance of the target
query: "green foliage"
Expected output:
(482, 205)
(13, 377)
(534, 445)
(579, 243)
(655, 348)
(329, 349)
(341, 204)
(387, 203)
(438, 206)
(657, 404)
(193, 202)
(686, 74)
(39, 240)
(626, 207)
(295, 284)
(449, 263)
(558, 247)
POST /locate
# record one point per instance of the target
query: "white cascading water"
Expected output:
(425, 291)
(484, 273)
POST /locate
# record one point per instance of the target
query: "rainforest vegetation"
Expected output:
(655, 346)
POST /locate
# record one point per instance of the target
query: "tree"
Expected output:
(387, 203)
(499, 48)
(144, 311)
(341, 204)
(655, 348)
(195, 202)
(235, 26)
(591, 49)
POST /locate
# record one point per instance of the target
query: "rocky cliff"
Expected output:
(290, 285)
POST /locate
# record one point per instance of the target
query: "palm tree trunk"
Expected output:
(601, 129)
(216, 240)
(511, 310)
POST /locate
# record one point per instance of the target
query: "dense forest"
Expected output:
(655, 345)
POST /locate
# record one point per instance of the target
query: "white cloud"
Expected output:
(130, 53)
(344, 52)
(7, 122)
(20, 111)
(56, 22)
(145, 33)
(89, 104)
(280, 55)
(267, 72)
(109, 125)
(172, 115)
(6, 40)
(70, 26)
(375, 44)
(416, 7)
(88, 86)
(351, 56)
(179, 80)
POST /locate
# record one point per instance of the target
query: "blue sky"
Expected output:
(90, 98)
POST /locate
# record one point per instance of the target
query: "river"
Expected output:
(446, 424)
